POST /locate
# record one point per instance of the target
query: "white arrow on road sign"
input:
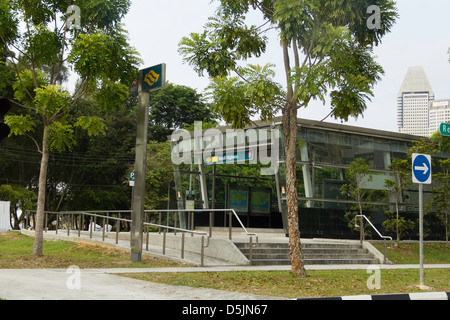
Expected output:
(423, 168)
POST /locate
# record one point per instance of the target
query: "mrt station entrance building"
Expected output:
(222, 168)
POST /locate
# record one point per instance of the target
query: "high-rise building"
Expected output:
(439, 113)
(413, 102)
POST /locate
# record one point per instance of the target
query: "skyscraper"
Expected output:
(413, 103)
(439, 113)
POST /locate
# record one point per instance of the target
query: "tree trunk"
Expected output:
(290, 146)
(290, 134)
(39, 225)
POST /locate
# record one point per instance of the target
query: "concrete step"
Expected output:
(277, 253)
(267, 262)
(306, 252)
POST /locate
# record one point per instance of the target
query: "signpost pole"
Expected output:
(421, 233)
(421, 174)
(137, 214)
(150, 79)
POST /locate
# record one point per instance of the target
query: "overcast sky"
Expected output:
(421, 37)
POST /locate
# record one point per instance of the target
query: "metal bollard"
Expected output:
(117, 231)
(203, 251)
(104, 227)
(251, 251)
(164, 241)
(182, 245)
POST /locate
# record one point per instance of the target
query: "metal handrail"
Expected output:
(165, 227)
(210, 220)
(378, 232)
(95, 215)
(242, 225)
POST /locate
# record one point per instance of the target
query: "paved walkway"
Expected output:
(104, 284)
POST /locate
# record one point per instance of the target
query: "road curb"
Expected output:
(404, 296)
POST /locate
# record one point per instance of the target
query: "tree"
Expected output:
(327, 50)
(440, 200)
(401, 173)
(441, 197)
(159, 177)
(357, 176)
(173, 107)
(20, 198)
(52, 38)
(95, 163)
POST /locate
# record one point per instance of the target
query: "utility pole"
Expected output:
(150, 79)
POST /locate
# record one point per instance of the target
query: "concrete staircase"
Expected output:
(276, 253)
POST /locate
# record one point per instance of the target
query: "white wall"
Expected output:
(4, 216)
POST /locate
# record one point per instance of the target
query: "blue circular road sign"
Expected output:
(421, 168)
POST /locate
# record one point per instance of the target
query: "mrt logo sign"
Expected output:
(153, 78)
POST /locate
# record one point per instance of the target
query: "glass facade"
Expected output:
(324, 153)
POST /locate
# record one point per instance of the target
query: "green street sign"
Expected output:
(153, 78)
(445, 129)
(232, 157)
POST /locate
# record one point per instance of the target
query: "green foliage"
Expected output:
(94, 126)
(61, 136)
(105, 56)
(333, 37)
(20, 197)
(401, 172)
(111, 95)
(9, 23)
(205, 55)
(226, 40)
(20, 124)
(440, 201)
(239, 100)
(396, 224)
(24, 89)
(175, 107)
(357, 176)
(354, 223)
(443, 142)
(97, 50)
(44, 46)
(100, 199)
(49, 100)
(159, 173)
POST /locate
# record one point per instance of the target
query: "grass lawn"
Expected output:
(16, 253)
(324, 283)
(408, 253)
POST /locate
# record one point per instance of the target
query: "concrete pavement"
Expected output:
(105, 284)
(72, 284)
